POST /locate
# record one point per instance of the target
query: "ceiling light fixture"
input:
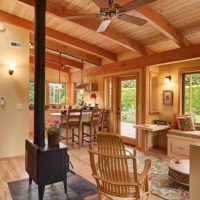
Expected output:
(61, 65)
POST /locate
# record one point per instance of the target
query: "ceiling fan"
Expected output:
(111, 9)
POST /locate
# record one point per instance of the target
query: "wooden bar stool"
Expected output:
(73, 121)
(96, 121)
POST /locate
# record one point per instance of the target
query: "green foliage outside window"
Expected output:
(195, 96)
(31, 92)
(78, 93)
(56, 95)
(128, 101)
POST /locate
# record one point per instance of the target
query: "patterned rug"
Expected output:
(77, 189)
(160, 183)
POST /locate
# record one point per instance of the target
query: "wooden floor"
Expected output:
(13, 169)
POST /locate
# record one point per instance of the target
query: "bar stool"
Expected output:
(73, 122)
(96, 121)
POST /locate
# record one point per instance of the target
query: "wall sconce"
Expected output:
(11, 69)
(31, 45)
(168, 79)
(2, 27)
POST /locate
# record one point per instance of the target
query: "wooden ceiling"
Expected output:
(171, 24)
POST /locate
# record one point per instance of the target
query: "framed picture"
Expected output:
(168, 97)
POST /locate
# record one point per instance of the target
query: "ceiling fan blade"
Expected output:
(104, 25)
(82, 16)
(134, 20)
(101, 3)
(135, 4)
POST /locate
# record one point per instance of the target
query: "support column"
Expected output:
(144, 95)
(39, 98)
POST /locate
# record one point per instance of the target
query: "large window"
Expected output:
(57, 93)
(31, 92)
(108, 87)
(78, 94)
(191, 95)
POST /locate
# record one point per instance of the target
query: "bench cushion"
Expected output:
(191, 134)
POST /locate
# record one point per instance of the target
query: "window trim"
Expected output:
(181, 73)
(104, 96)
(47, 92)
(75, 93)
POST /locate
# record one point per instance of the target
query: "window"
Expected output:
(31, 92)
(108, 86)
(57, 93)
(78, 94)
(191, 95)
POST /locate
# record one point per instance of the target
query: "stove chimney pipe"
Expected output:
(39, 98)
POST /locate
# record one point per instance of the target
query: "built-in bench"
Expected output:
(179, 142)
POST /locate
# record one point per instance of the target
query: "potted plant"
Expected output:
(54, 131)
(94, 96)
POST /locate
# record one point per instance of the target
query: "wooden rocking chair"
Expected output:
(114, 179)
(112, 143)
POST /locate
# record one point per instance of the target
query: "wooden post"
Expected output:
(144, 133)
(39, 99)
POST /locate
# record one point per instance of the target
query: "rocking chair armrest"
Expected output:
(145, 171)
(131, 153)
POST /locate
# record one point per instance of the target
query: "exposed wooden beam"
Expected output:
(111, 34)
(51, 65)
(84, 46)
(63, 60)
(161, 24)
(76, 53)
(175, 55)
(80, 44)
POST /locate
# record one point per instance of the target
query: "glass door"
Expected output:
(127, 109)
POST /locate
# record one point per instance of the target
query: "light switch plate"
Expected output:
(19, 106)
(2, 100)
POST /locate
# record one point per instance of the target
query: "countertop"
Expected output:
(152, 127)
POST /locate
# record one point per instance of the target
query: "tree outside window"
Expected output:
(191, 95)
(31, 92)
(78, 94)
(57, 94)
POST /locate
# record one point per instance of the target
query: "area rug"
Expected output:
(160, 183)
(78, 188)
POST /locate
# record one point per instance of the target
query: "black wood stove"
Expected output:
(46, 165)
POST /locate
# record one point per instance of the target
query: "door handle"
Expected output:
(118, 113)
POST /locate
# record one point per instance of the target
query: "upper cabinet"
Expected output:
(91, 87)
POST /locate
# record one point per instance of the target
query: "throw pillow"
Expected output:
(175, 124)
(186, 123)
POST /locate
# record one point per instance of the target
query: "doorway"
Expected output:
(127, 109)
